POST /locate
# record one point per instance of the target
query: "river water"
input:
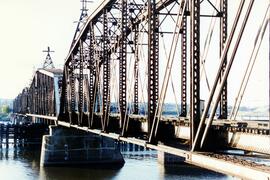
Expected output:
(22, 164)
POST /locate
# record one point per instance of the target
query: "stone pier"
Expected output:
(169, 159)
(67, 147)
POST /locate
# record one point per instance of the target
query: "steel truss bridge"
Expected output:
(126, 57)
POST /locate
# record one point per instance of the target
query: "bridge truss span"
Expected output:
(132, 57)
(123, 42)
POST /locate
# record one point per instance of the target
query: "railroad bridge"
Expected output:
(128, 56)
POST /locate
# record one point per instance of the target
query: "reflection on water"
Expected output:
(70, 173)
(16, 164)
(144, 164)
(24, 164)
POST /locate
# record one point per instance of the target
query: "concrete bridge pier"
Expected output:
(67, 147)
(169, 159)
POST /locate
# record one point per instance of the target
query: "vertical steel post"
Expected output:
(123, 64)
(39, 94)
(42, 93)
(72, 79)
(42, 88)
(184, 67)
(35, 89)
(81, 99)
(194, 67)
(45, 97)
(47, 111)
(136, 72)
(34, 96)
(153, 55)
(29, 101)
(223, 36)
(72, 83)
(52, 97)
(37, 105)
(91, 78)
(49, 95)
(64, 97)
(69, 93)
(106, 71)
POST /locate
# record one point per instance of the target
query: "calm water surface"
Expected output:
(18, 164)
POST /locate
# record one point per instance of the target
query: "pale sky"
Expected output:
(29, 26)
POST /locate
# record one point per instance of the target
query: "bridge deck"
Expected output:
(241, 135)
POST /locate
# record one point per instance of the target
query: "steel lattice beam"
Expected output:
(194, 67)
(72, 96)
(184, 68)
(64, 95)
(92, 76)
(81, 93)
(106, 71)
(136, 73)
(122, 65)
(223, 37)
(153, 56)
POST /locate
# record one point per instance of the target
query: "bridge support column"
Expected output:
(67, 147)
(169, 159)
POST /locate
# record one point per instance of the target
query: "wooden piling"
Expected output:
(7, 136)
(15, 134)
(1, 134)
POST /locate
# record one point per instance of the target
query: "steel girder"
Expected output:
(81, 91)
(194, 67)
(92, 78)
(123, 67)
(106, 72)
(223, 37)
(184, 68)
(64, 100)
(153, 57)
(136, 74)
